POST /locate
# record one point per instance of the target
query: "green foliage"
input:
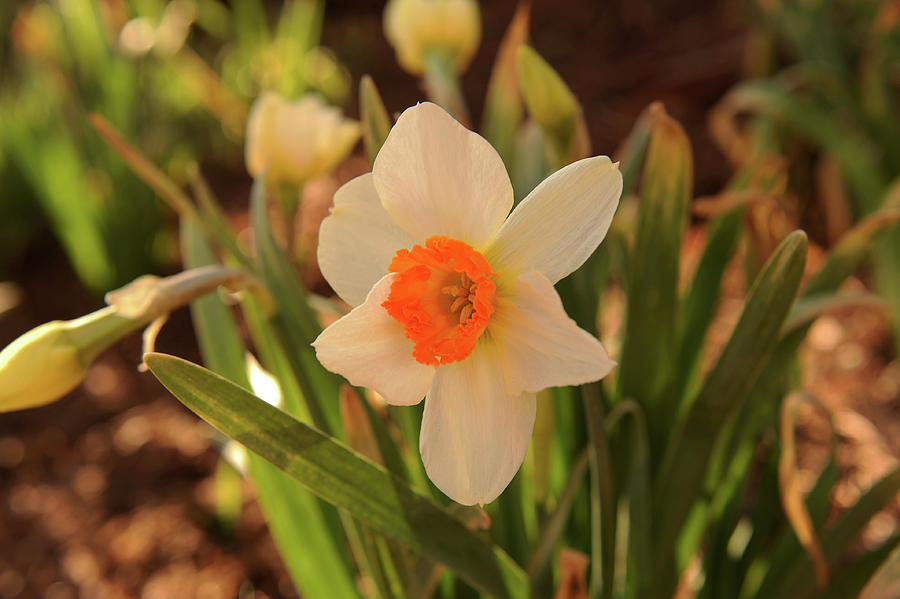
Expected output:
(341, 477)
(146, 77)
(840, 59)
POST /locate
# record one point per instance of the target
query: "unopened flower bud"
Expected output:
(294, 142)
(49, 361)
(417, 28)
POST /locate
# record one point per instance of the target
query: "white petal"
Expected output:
(561, 222)
(539, 345)
(370, 349)
(358, 240)
(435, 177)
(474, 435)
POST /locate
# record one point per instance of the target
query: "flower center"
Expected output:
(443, 296)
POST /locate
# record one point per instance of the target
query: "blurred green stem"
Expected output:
(603, 512)
(289, 199)
(442, 86)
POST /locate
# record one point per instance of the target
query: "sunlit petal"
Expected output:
(539, 345)
(474, 434)
(435, 177)
(370, 349)
(561, 222)
(357, 241)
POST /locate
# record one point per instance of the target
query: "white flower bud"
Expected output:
(415, 28)
(49, 361)
(294, 142)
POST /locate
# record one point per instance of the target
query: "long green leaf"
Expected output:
(633, 150)
(503, 102)
(851, 250)
(855, 154)
(885, 584)
(684, 467)
(553, 526)
(376, 124)
(218, 337)
(603, 495)
(299, 325)
(340, 476)
(795, 580)
(635, 519)
(651, 331)
(553, 106)
(304, 529)
(698, 307)
(764, 556)
(855, 575)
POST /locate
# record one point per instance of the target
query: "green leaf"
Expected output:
(553, 527)
(809, 308)
(699, 305)
(311, 547)
(651, 328)
(441, 83)
(885, 584)
(553, 106)
(634, 149)
(763, 557)
(635, 518)
(376, 124)
(791, 491)
(794, 581)
(213, 219)
(503, 103)
(341, 477)
(855, 153)
(603, 495)
(530, 166)
(851, 251)
(217, 335)
(856, 574)
(299, 326)
(726, 521)
(317, 564)
(686, 460)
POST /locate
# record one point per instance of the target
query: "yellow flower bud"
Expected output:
(418, 27)
(49, 361)
(38, 367)
(293, 142)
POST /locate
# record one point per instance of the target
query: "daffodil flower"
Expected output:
(293, 142)
(454, 301)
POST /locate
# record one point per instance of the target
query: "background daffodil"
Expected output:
(453, 300)
(294, 142)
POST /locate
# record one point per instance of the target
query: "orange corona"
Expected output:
(443, 296)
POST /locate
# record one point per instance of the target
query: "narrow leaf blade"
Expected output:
(341, 477)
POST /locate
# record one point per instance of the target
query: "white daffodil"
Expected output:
(294, 142)
(454, 301)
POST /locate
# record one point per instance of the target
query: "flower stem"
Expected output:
(442, 86)
(289, 199)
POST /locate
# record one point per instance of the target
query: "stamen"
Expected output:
(459, 303)
(466, 313)
(434, 296)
